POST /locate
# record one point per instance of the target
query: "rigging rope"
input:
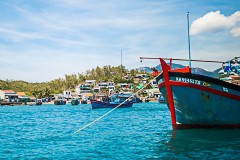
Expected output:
(89, 124)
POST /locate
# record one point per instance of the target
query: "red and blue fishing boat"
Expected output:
(198, 101)
(100, 104)
(117, 100)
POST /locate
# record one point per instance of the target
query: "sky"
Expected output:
(42, 40)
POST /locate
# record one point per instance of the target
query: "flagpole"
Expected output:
(189, 52)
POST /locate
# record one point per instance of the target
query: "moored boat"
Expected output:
(38, 102)
(83, 101)
(60, 101)
(116, 100)
(161, 99)
(100, 104)
(198, 101)
(75, 101)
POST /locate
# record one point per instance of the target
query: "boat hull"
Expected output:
(38, 103)
(100, 104)
(197, 101)
(60, 102)
(75, 102)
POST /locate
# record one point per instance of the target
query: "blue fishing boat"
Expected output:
(113, 101)
(60, 101)
(161, 99)
(75, 101)
(100, 104)
(198, 101)
(84, 101)
(38, 102)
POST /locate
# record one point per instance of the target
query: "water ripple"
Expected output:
(141, 132)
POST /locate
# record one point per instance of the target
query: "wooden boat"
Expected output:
(38, 102)
(113, 101)
(60, 101)
(75, 101)
(198, 101)
(161, 99)
(10, 103)
(101, 104)
(83, 101)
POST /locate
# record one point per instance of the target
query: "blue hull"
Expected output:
(59, 102)
(197, 107)
(99, 104)
(75, 102)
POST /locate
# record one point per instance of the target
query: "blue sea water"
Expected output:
(141, 132)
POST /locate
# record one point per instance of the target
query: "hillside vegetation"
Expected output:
(69, 82)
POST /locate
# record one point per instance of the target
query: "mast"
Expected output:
(189, 53)
(121, 65)
(121, 58)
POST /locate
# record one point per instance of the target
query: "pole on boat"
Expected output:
(189, 53)
(121, 64)
(121, 58)
(178, 59)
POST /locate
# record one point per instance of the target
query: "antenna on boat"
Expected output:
(189, 53)
(121, 58)
(121, 64)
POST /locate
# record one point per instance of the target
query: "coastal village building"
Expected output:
(23, 97)
(125, 86)
(142, 76)
(96, 89)
(85, 88)
(91, 82)
(8, 95)
(110, 86)
(127, 77)
(57, 96)
(103, 84)
(77, 89)
(153, 93)
(67, 94)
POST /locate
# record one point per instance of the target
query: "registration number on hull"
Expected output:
(188, 80)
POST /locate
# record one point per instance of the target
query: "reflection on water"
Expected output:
(209, 143)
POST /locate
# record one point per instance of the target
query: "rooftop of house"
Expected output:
(9, 91)
(22, 94)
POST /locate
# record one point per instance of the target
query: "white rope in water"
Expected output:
(89, 124)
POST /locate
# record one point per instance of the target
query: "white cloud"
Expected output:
(235, 32)
(215, 21)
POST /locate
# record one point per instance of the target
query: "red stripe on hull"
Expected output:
(214, 91)
(161, 85)
(203, 88)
